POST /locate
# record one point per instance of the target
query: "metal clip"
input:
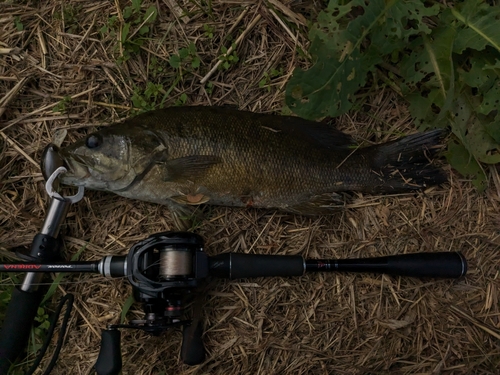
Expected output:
(54, 194)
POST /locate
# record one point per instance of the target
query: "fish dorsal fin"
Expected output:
(316, 133)
(189, 167)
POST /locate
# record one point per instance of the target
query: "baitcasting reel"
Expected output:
(165, 268)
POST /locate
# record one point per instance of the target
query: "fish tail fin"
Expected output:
(406, 164)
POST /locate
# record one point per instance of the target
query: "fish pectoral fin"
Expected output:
(189, 167)
(191, 199)
(324, 204)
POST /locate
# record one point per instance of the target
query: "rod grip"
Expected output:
(16, 327)
(236, 266)
(109, 361)
(441, 264)
(192, 350)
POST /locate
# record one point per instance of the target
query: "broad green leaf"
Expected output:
(481, 144)
(406, 18)
(151, 14)
(127, 12)
(491, 100)
(482, 73)
(125, 31)
(175, 61)
(480, 25)
(340, 66)
(458, 156)
(136, 4)
(430, 78)
(469, 127)
(423, 110)
(347, 43)
(493, 129)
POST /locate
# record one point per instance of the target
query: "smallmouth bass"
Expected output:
(196, 155)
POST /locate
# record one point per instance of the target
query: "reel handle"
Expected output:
(192, 350)
(109, 361)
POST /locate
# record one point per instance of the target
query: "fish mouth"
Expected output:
(77, 168)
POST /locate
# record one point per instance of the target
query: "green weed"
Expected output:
(152, 97)
(17, 22)
(230, 59)
(62, 106)
(266, 80)
(187, 58)
(209, 31)
(69, 14)
(132, 33)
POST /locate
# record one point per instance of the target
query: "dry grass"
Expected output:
(321, 324)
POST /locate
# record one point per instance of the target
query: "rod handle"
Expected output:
(16, 327)
(440, 264)
(236, 266)
(109, 361)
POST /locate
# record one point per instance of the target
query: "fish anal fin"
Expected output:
(324, 204)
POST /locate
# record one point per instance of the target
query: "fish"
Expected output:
(196, 155)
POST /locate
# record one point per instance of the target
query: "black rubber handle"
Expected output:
(109, 361)
(446, 265)
(192, 350)
(16, 327)
(441, 264)
(236, 266)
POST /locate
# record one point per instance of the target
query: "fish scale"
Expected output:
(221, 156)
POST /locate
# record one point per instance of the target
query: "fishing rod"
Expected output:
(165, 269)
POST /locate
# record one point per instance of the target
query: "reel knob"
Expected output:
(109, 361)
(192, 350)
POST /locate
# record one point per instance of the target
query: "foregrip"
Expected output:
(236, 266)
(16, 327)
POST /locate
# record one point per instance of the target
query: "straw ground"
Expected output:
(70, 66)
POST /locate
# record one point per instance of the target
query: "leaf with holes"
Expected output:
(458, 156)
(430, 78)
(344, 52)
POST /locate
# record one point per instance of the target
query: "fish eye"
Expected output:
(93, 141)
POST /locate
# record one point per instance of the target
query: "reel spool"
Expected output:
(176, 262)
